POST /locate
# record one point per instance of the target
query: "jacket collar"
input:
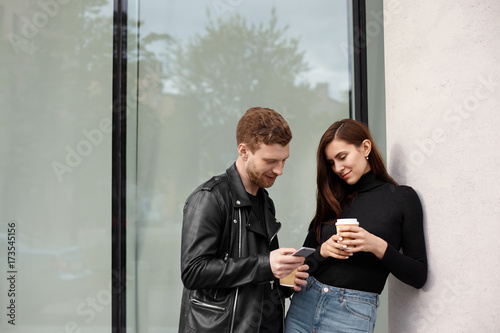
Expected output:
(240, 197)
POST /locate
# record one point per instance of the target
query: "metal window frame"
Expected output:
(119, 168)
(359, 100)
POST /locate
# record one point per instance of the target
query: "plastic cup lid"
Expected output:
(346, 221)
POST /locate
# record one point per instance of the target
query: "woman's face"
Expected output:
(348, 161)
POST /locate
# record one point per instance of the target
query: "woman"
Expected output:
(346, 276)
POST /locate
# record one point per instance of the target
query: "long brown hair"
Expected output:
(332, 195)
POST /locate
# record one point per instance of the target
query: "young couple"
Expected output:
(231, 262)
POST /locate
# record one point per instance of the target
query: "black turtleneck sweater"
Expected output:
(391, 212)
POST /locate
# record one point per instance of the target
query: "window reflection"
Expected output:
(218, 60)
(55, 160)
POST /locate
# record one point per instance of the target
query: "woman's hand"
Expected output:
(362, 240)
(333, 248)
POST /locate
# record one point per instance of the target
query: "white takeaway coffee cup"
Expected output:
(346, 223)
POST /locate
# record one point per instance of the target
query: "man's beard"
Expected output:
(259, 179)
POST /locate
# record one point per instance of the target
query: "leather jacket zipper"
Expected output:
(270, 241)
(239, 256)
(277, 287)
(206, 305)
(239, 233)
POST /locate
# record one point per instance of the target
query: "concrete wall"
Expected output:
(442, 68)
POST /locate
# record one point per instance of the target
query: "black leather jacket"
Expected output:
(225, 258)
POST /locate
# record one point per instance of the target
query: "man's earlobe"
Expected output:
(242, 151)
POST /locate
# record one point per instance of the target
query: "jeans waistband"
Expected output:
(313, 284)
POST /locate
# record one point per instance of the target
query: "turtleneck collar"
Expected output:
(366, 183)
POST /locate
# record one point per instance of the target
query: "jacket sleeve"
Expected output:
(202, 263)
(410, 266)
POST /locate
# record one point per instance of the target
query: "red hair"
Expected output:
(262, 125)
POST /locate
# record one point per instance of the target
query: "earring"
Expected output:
(367, 157)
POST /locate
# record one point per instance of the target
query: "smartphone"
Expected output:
(304, 251)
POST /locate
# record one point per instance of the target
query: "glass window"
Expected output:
(55, 166)
(201, 66)
(194, 68)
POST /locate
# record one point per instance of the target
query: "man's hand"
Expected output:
(282, 264)
(300, 277)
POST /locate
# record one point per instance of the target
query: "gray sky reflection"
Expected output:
(321, 26)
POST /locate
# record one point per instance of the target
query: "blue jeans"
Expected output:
(322, 308)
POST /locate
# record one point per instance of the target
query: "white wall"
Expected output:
(443, 123)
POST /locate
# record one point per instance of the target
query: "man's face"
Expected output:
(266, 163)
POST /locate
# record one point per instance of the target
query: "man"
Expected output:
(230, 260)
